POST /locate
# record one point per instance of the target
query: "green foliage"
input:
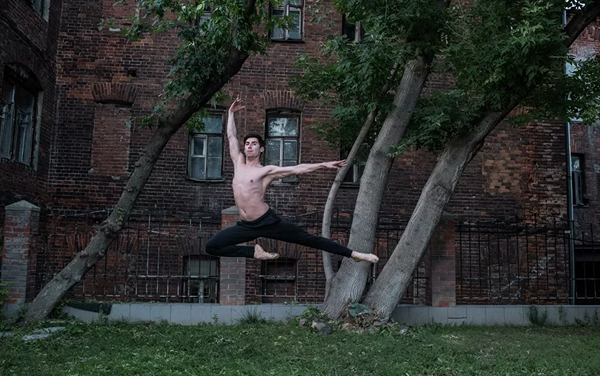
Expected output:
(497, 52)
(356, 309)
(252, 316)
(588, 320)
(4, 292)
(352, 75)
(537, 317)
(565, 97)
(209, 31)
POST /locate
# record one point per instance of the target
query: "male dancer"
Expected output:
(250, 183)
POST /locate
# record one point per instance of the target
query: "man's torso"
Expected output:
(249, 187)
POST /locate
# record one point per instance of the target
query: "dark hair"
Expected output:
(261, 142)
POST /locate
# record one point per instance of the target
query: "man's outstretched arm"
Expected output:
(276, 172)
(234, 146)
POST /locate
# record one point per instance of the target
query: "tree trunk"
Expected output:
(339, 177)
(387, 290)
(169, 124)
(391, 283)
(349, 282)
(328, 211)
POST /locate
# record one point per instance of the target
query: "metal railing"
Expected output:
(527, 262)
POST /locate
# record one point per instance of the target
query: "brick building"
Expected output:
(87, 86)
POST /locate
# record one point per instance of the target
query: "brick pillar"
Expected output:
(21, 224)
(441, 284)
(232, 276)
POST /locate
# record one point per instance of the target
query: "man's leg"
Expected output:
(292, 233)
(224, 244)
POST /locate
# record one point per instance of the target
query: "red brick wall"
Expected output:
(29, 40)
(584, 137)
(519, 171)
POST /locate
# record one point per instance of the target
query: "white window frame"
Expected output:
(288, 114)
(578, 183)
(285, 8)
(205, 136)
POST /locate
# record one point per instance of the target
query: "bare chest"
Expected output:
(248, 178)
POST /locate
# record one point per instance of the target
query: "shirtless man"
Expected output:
(250, 183)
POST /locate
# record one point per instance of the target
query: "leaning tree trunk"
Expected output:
(349, 282)
(328, 211)
(339, 177)
(391, 283)
(169, 124)
(387, 290)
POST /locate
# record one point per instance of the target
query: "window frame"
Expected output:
(206, 136)
(288, 114)
(355, 172)
(188, 278)
(357, 169)
(359, 31)
(271, 282)
(578, 180)
(21, 146)
(285, 7)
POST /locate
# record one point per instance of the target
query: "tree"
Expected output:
(501, 54)
(211, 51)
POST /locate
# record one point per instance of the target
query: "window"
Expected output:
(577, 179)
(41, 6)
(206, 150)
(587, 273)
(17, 122)
(278, 280)
(356, 171)
(205, 17)
(201, 279)
(282, 140)
(293, 9)
(352, 32)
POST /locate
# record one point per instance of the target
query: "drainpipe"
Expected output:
(570, 197)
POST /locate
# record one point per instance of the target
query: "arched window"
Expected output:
(283, 139)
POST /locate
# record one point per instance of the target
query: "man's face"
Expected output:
(252, 148)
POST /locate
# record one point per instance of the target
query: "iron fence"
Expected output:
(535, 262)
(152, 259)
(160, 257)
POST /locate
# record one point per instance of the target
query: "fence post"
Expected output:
(232, 275)
(21, 224)
(441, 281)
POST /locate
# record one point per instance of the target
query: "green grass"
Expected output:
(287, 349)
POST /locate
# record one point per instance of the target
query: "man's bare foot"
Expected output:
(359, 256)
(260, 254)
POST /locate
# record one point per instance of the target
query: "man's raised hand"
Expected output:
(335, 164)
(236, 105)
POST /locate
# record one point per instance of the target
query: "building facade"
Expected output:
(81, 85)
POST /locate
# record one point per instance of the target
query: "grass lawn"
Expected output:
(288, 349)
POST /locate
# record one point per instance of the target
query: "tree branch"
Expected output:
(580, 21)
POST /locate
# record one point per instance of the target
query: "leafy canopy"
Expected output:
(496, 52)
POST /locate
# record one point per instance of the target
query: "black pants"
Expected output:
(269, 225)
